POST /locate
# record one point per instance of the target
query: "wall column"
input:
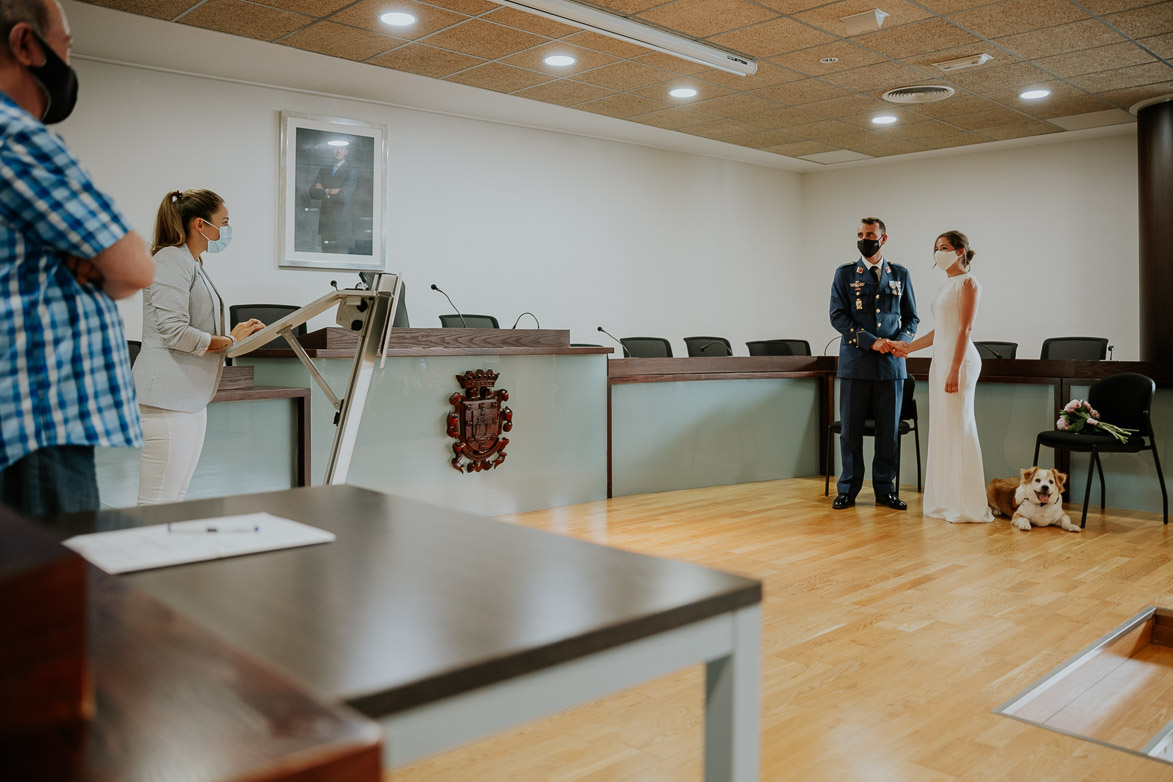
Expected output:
(1155, 179)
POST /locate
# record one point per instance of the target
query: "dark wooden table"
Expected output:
(446, 627)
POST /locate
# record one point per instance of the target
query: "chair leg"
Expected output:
(916, 432)
(1087, 490)
(1100, 470)
(1161, 478)
(829, 466)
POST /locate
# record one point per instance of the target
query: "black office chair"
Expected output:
(1125, 401)
(1075, 348)
(267, 314)
(647, 347)
(909, 422)
(706, 347)
(779, 347)
(997, 349)
(133, 346)
(466, 321)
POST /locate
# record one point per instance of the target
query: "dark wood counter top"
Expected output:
(414, 603)
(340, 343)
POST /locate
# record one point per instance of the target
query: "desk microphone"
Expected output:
(1110, 349)
(829, 344)
(626, 352)
(462, 323)
(991, 350)
(519, 317)
(708, 345)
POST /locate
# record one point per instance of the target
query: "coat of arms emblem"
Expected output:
(477, 420)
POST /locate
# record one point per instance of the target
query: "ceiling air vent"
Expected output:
(924, 94)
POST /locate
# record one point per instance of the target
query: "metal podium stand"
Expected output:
(370, 312)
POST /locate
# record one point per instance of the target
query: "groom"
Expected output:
(873, 308)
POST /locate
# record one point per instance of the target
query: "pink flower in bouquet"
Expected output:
(1092, 422)
(1088, 406)
(1072, 406)
(1061, 424)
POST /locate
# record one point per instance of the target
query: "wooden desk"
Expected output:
(446, 627)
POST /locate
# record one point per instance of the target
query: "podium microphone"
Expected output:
(626, 352)
(522, 315)
(708, 345)
(829, 344)
(436, 288)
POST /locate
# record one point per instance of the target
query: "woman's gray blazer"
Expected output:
(181, 312)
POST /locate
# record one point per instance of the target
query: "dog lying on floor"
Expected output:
(1034, 499)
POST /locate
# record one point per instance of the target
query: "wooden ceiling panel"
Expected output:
(241, 18)
(426, 60)
(564, 92)
(794, 105)
(338, 40)
(705, 18)
(429, 18)
(768, 39)
(498, 77)
(483, 39)
(586, 59)
(830, 17)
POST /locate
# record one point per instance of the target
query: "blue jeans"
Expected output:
(51, 481)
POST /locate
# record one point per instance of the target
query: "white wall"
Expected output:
(586, 231)
(580, 231)
(1054, 227)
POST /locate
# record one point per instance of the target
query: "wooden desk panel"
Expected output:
(414, 603)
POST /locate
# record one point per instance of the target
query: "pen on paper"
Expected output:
(205, 528)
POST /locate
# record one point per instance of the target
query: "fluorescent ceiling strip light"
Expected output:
(625, 29)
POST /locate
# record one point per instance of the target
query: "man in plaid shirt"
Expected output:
(66, 253)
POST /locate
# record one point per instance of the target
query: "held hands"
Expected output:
(895, 347)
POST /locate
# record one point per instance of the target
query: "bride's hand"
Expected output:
(953, 381)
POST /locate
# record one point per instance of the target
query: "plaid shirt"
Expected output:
(64, 370)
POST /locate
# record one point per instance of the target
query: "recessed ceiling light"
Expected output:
(829, 60)
(883, 119)
(338, 143)
(1034, 94)
(560, 60)
(682, 92)
(397, 19)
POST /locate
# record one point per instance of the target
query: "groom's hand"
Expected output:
(882, 345)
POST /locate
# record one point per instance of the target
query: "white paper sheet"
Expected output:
(162, 545)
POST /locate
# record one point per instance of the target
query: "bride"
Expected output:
(954, 479)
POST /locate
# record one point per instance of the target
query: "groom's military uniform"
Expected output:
(864, 309)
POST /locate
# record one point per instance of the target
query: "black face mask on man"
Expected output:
(868, 247)
(58, 80)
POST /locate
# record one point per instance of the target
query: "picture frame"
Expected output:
(332, 187)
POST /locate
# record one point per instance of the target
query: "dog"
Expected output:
(1034, 499)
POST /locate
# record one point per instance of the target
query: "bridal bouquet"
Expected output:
(1079, 413)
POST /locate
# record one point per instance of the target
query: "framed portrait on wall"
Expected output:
(333, 193)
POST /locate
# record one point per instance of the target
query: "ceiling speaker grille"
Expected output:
(923, 94)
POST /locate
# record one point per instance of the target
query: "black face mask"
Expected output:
(59, 82)
(868, 247)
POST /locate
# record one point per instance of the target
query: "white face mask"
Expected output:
(945, 259)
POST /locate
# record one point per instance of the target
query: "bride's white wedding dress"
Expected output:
(955, 483)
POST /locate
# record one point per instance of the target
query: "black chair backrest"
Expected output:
(779, 347)
(267, 314)
(989, 349)
(708, 346)
(1124, 400)
(908, 403)
(1075, 348)
(647, 347)
(466, 321)
(133, 346)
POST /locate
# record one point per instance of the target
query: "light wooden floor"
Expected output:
(888, 638)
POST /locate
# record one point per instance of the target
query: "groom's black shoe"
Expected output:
(890, 500)
(843, 501)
